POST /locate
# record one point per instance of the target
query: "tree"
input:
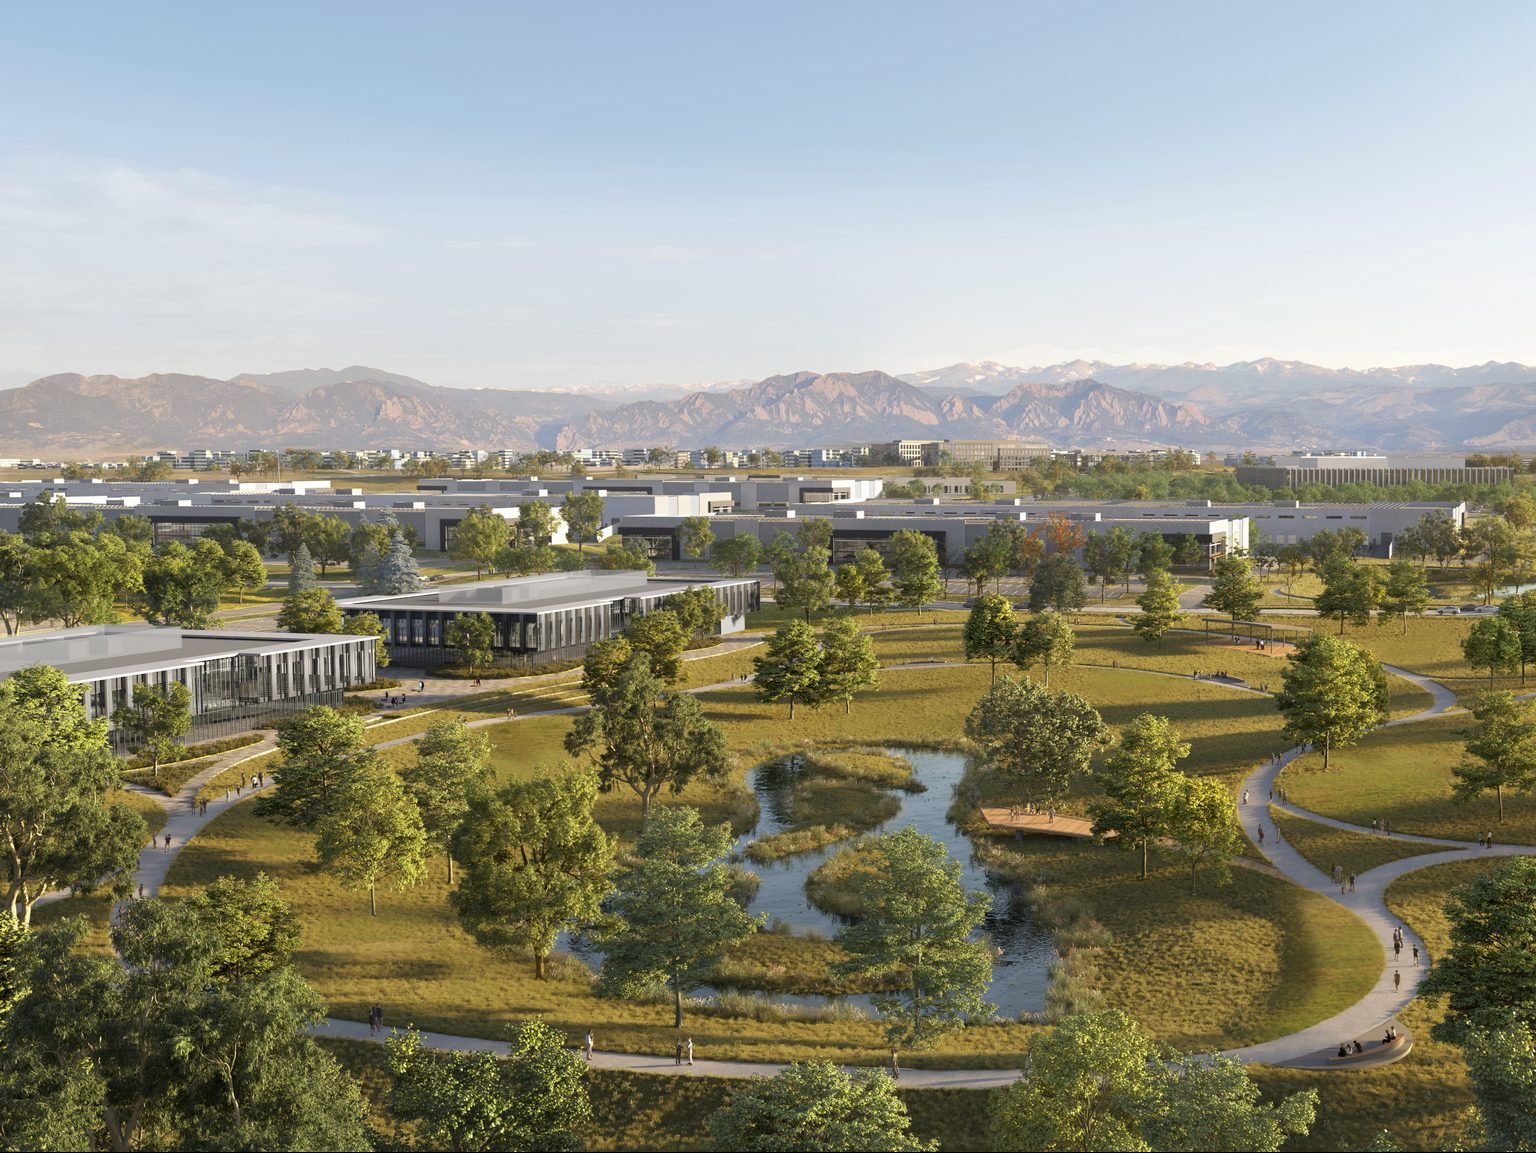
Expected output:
(1349, 592)
(16, 588)
(167, 1049)
(286, 532)
(157, 719)
(1502, 1066)
(661, 637)
(453, 762)
(1064, 534)
(583, 515)
(1501, 749)
(914, 564)
(478, 538)
(50, 518)
(1058, 584)
(1520, 611)
(1234, 589)
(985, 560)
(1489, 971)
(311, 610)
(1041, 741)
(1153, 553)
(1107, 556)
(370, 625)
(790, 668)
(1159, 604)
(1405, 592)
(638, 739)
(1331, 547)
(850, 585)
(256, 928)
(699, 610)
(535, 523)
(625, 552)
(319, 751)
(991, 630)
(1189, 552)
(182, 586)
(737, 555)
(1202, 825)
(397, 572)
(875, 577)
(537, 864)
(675, 914)
(816, 1106)
(696, 536)
(914, 939)
(56, 774)
(371, 832)
(243, 567)
(1141, 781)
(1493, 644)
(301, 570)
(474, 635)
(1332, 693)
(1097, 1082)
(805, 580)
(534, 1098)
(77, 579)
(848, 662)
(329, 540)
(1045, 637)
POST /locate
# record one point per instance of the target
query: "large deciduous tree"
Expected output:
(1493, 644)
(311, 610)
(660, 635)
(990, 630)
(1520, 611)
(1234, 589)
(452, 763)
(583, 515)
(1141, 782)
(816, 1106)
(1489, 972)
(58, 827)
(319, 750)
(478, 538)
(914, 939)
(1332, 693)
(1058, 584)
(1045, 638)
(474, 635)
(1405, 592)
(737, 556)
(790, 669)
(848, 662)
(1202, 825)
(639, 739)
(1350, 592)
(1501, 749)
(675, 915)
(371, 832)
(914, 561)
(536, 863)
(1041, 741)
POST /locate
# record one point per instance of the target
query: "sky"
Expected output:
(577, 194)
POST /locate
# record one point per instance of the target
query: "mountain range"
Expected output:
(1263, 405)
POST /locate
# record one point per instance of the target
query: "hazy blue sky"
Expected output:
(566, 194)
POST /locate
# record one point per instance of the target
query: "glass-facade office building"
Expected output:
(237, 681)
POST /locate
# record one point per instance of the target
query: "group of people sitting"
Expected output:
(1354, 1048)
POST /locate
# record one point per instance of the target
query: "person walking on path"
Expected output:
(1397, 979)
(1415, 956)
(1261, 836)
(1351, 882)
(1245, 796)
(677, 1058)
(895, 1067)
(589, 1046)
(689, 1050)
(167, 842)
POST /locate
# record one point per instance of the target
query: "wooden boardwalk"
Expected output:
(1062, 826)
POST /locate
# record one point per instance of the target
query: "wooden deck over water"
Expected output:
(1063, 826)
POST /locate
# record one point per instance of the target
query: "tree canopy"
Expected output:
(816, 1107)
(1040, 740)
(1332, 692)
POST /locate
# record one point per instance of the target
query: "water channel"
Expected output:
(1022, 950)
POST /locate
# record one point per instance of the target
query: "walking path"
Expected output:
(1308, 1048)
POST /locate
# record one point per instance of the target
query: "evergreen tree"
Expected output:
(397, 572)
(301, 570)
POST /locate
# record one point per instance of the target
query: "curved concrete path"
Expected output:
(1307, 1048)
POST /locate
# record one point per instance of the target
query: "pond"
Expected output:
(1019, 967)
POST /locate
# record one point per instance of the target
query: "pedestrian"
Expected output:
(1397, 949)
(1375, 824)
(1351, 882)
(1245, 796)
(378, 1017)
(167, 842)
(1261, 835)
(1386, 826)
(690, 1050)
(1488, 836)
(678, 1056)
(1050, 816)
(895, 1067)
(1397, 979)
(421, 686)
(1271, 796)
(589, 1046)
(511, 713)
(1415, 956)
(141, 890)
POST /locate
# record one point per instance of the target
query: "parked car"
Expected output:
(1448, 611)
(1480, 610)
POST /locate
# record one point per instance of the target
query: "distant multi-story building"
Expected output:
(1339, 468)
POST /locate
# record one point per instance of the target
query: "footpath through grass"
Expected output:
(1326, 847)
(1402, 775)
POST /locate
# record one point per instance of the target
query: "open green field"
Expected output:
(1326, 847)
(1402, 774)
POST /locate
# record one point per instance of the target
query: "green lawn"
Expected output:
(1402, 774)
(1357, 852)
